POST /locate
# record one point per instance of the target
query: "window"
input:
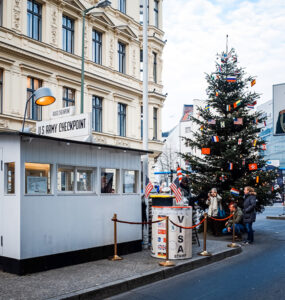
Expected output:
(97, 113)
(130, 180)
(68, 97)
(154, 67)
(10, 178)
(122, 57)
(155, 13)
(122, 6)
(1, 12)
(109, 181)
(34, 20)
(122, 119)
(1, 90)
(141, 121)
(37, 178)
(34, 112)
(187, 129)
(84, 180)
(97, 46)
(65, 179)
(67, 34)
(155, 123)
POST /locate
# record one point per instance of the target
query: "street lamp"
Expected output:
(43, 97)
(101, 4)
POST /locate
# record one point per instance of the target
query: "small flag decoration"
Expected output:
(206, 151)
(217, 94)
(263, 146)
(250, 106)
(202, 127)
(257, 179)
(215, 139)
(175, 187)
(148, 187)
(234, 192)
(223, 124)
(223, 178)
(207, 107)
(237, 103)
(252, 167)
(254, 143)
(253, 82)
(179, 173)
(212, 122)
(231, 166)
(238, 121)
(231, 79)
(228, 108)
(239, 141)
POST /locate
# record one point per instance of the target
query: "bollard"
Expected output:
(167, 262)
(233, 244)
(115, 257)
(205, 252)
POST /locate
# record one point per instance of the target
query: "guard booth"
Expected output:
(57, 198)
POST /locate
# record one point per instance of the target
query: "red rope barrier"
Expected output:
(221, 219)
(138, 223)
(187, 227)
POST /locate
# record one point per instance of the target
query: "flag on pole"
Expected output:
(217, 94)
(253, 82)
(212, 122)
(252, 167)
(179, 173)
(148, 187)
(250, 106)
(234, 192)
(238, 121)
(239, 141)
(231, 79)
(228, 108)
(206, 151)
(231, 166)
(215, 139)
(237, 103)
(175, 187)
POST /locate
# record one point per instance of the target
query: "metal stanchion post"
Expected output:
(167, 262)
(115, 257)
(233, 244)
(205, 252)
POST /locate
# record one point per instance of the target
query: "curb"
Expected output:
(127, 284)
(276, 217)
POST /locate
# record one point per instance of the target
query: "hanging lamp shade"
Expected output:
(43, 96)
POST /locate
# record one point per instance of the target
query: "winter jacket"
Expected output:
(249, 213)
(238, 217)
(214, 205)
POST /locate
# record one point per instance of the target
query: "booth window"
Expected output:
(34, 20)
(37, 178)
(34, 111)
(84, 180)
(109, 181)
(10, 177)
(130, 179)
(65, 179)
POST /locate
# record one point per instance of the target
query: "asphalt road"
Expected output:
(257, 273)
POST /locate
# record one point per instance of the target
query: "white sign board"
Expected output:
(36, 185)
(279, 109)
(63, 112)
(67, 127)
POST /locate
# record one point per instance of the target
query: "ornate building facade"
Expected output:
(40, 45)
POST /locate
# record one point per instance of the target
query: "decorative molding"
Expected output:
(29, 68)
(98, 89)
(123, 97)
(134, 62)
(4, 123)
(68, 80)
(111, 53)
(54, 27)
(123, 143)
(17, 15)
(6, 61)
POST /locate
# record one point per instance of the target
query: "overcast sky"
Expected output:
(196, 30)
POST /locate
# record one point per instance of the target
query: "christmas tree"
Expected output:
(231, 149)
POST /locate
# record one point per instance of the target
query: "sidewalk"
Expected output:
(104, 278)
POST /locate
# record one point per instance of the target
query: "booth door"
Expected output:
(1, 199)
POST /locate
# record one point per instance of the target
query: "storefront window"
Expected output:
(130, 181)
(84, 180)
(109, 181)
(37, 178)
(10, 178)
(65, 179)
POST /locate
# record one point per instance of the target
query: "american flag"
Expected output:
(176, 190)
(212, 122)
(238, 121)
(148, 187)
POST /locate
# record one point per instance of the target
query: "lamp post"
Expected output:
(43, 97)
(101, 4)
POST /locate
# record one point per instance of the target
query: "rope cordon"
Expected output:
(221, 219)
(183, 227)
(138, 223)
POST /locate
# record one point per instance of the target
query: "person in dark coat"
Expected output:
(249, 213)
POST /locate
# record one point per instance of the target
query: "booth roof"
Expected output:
(36, 136)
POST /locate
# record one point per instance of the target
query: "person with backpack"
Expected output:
(249, 212)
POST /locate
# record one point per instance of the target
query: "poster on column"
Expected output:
(279, 109)
(180, 240)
